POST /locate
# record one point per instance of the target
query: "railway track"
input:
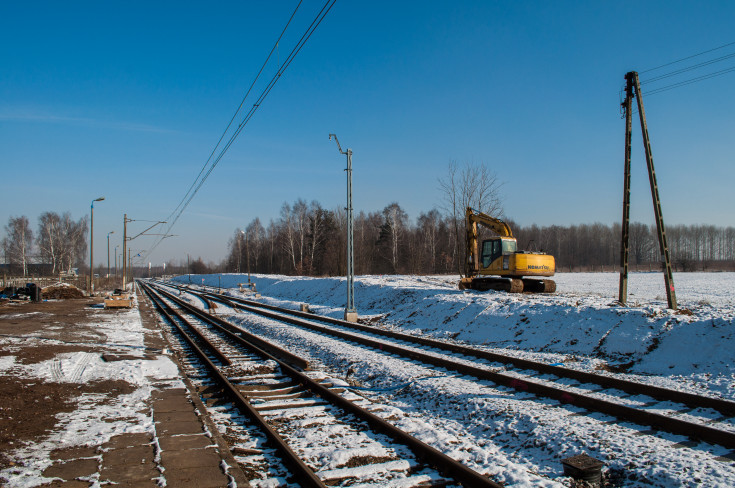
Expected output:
(322, 435)
(700, 418)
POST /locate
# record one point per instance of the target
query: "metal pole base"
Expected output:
(350, 316)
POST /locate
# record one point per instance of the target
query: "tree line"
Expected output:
(307, 239)
(59, 244)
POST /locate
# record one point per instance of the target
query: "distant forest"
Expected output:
(308, 240)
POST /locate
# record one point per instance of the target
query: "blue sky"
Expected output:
(127, 100)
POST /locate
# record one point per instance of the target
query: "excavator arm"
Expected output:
(472, 219)
(476, 217)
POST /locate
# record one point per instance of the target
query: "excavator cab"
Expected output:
(495, 247)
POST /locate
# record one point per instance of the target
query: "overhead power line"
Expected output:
(690, 81)
(265, 63)
(688, 68)
(199, 181)
(688, 57)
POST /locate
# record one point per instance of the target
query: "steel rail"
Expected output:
(291, 459)
(622, 412)
(726, 407)
(440, 461)
(251, 338)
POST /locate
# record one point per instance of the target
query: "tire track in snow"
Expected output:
(74, 375)
(57, 373)
(81, 364)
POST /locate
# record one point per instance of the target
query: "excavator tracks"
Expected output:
(509, 285)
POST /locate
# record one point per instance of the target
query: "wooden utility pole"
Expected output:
(633, 87)
(624, 246)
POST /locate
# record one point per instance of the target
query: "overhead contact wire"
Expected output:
(305, 37)
(275, 45)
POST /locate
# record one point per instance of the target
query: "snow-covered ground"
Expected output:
(486, 427)
(581, 319)
(581, 325)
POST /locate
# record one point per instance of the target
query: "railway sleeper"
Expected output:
(272, 406)
(270, 396)
(271, 392)
(258, 387)
(374, 472)
(245, 451)
(276, 378)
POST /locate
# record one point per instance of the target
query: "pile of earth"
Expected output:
(62, 291)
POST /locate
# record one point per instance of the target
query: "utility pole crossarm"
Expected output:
(149, 228)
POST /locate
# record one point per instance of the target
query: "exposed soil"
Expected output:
(29, 408)
(63, 320)
(62, 291)
(37, 332)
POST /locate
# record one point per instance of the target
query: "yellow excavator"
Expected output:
(499, 265)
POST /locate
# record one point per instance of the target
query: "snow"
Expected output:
(519, 439)
(582, 318)
(96, 419)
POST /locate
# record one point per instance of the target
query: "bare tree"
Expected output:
(470, 185)
(317, 223)
(428, 224)
(72, 241)
(641, 243)
(289, 228)
(49, 238)
(295, 221)
(255, 235)
(395, 221)
(271, 236)
(18, 242)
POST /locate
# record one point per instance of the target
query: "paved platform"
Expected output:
(182, 450)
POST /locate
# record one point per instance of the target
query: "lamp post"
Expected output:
(116, 260)
(239, 250)
(350, 310)
(247, 254)
(108, 252)
(91, 245)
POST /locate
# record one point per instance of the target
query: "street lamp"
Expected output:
(108, 252)
(91, 245)
(350, 310)
(116, 260)
(247, 254)
(239, 250)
